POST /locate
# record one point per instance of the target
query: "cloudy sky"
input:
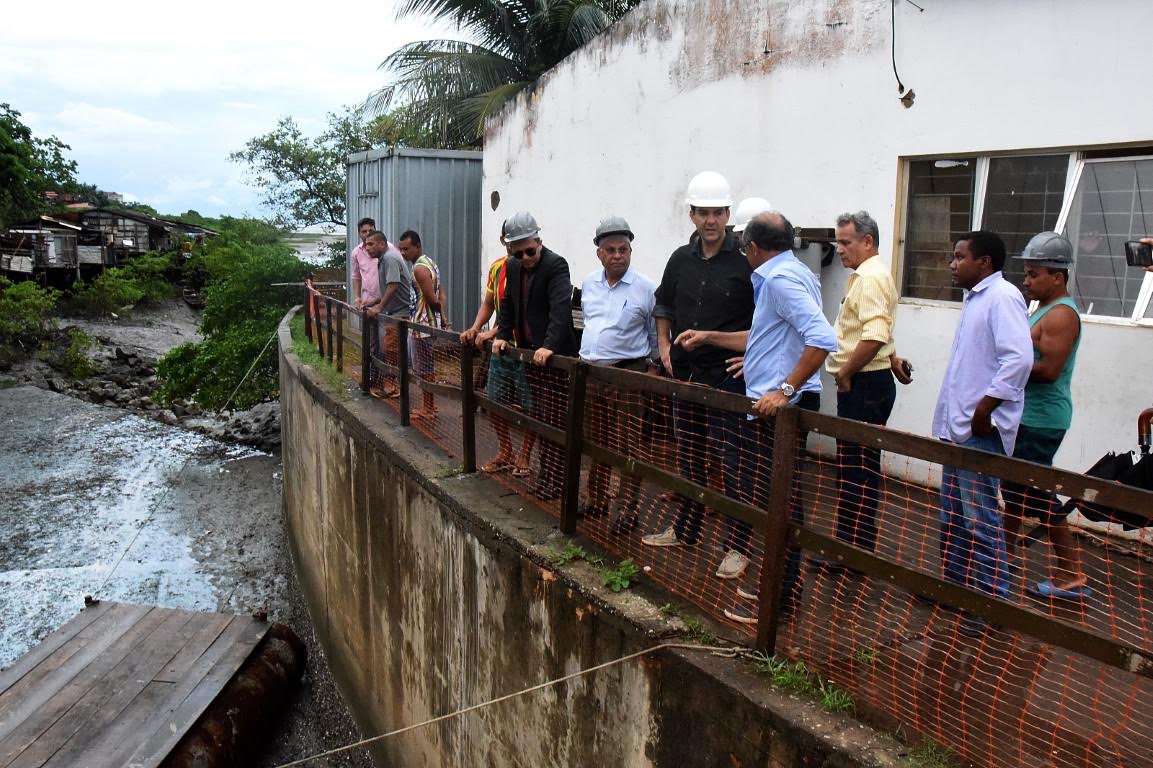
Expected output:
(152, 97)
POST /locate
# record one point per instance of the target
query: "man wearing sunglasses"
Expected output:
(537, 313)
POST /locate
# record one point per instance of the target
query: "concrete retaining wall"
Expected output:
(433, 592)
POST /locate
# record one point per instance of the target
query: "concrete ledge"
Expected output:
(433, 593)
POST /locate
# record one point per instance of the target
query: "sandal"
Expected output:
(495, 466)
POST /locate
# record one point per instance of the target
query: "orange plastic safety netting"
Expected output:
(995, 697)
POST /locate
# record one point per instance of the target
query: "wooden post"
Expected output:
(340, 337)
(328, 322)
(319, 328)
(402, 372)
(573, 445)
(785, 430)
(467, 410)
(308, 310)
(367, 330)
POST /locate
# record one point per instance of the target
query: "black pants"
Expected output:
(869, 399)
(701, 430)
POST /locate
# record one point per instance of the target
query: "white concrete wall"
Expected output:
(815, 125)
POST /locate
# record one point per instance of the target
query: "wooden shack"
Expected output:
(42, 244)
(127, 233)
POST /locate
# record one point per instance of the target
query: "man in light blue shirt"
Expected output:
(784, 349)
(979, 406)
(619, 330)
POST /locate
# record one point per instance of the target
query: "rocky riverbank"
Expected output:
(122, 374)
(189, 522)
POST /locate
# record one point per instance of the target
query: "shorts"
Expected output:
(508, 382)
(1038, 444)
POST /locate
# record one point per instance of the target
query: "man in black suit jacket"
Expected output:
(536, 311)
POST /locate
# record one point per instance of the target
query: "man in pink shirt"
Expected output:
(365, 285)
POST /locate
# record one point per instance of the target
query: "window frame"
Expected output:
(1076, 168)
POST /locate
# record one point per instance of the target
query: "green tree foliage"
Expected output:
(29, 167)
(111, 291)
(302, 177)
(243, 307)
(148, 277)
(452, 86)
(87, 193)
(25, 313)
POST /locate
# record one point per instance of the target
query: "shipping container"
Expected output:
(436, 193)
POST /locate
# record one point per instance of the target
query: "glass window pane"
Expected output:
(940, 210)
(1113, 203)
(1023, 197)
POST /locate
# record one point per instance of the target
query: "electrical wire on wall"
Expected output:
(906, 96)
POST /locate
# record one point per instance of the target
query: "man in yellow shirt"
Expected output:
(863, 366)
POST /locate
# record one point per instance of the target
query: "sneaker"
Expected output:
(748, 593)
(741, 615)
(666, 538)
(733, 566)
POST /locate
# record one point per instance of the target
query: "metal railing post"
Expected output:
(402, 372)
(781, 481)
(573, 445)
(367, 329)
(467, 410)
(340, 337)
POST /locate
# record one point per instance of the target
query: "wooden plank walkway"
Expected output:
(118, 685)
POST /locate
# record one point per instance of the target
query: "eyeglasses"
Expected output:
(530, 252)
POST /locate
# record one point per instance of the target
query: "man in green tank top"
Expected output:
(1055, 327)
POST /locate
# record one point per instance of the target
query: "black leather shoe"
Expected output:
(592, 510)
(625, 523)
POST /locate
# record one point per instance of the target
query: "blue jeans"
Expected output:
(697, 426)
(869, 399)
(972, 538)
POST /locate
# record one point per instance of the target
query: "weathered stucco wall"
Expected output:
(797, 102)
(431, 595)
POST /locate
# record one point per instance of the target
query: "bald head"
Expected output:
(768, 233)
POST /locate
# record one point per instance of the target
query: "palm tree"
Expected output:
(451, 86)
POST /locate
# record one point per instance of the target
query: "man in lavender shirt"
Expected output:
(980, 405)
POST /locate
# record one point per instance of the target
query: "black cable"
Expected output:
(893, 43)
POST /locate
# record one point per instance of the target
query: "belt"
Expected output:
(633, 364)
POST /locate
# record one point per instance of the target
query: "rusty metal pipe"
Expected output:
(234, 727)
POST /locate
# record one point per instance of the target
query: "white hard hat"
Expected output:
(747, 209)
(709, 189)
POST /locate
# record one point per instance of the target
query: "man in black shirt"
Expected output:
(706, 287)
(536, 311)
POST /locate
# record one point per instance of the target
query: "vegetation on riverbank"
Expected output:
(250, 279)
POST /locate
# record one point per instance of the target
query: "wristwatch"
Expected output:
(788, 390)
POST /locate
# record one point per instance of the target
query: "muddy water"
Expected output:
(97, 501)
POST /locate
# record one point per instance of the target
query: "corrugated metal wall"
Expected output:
(434, 192)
